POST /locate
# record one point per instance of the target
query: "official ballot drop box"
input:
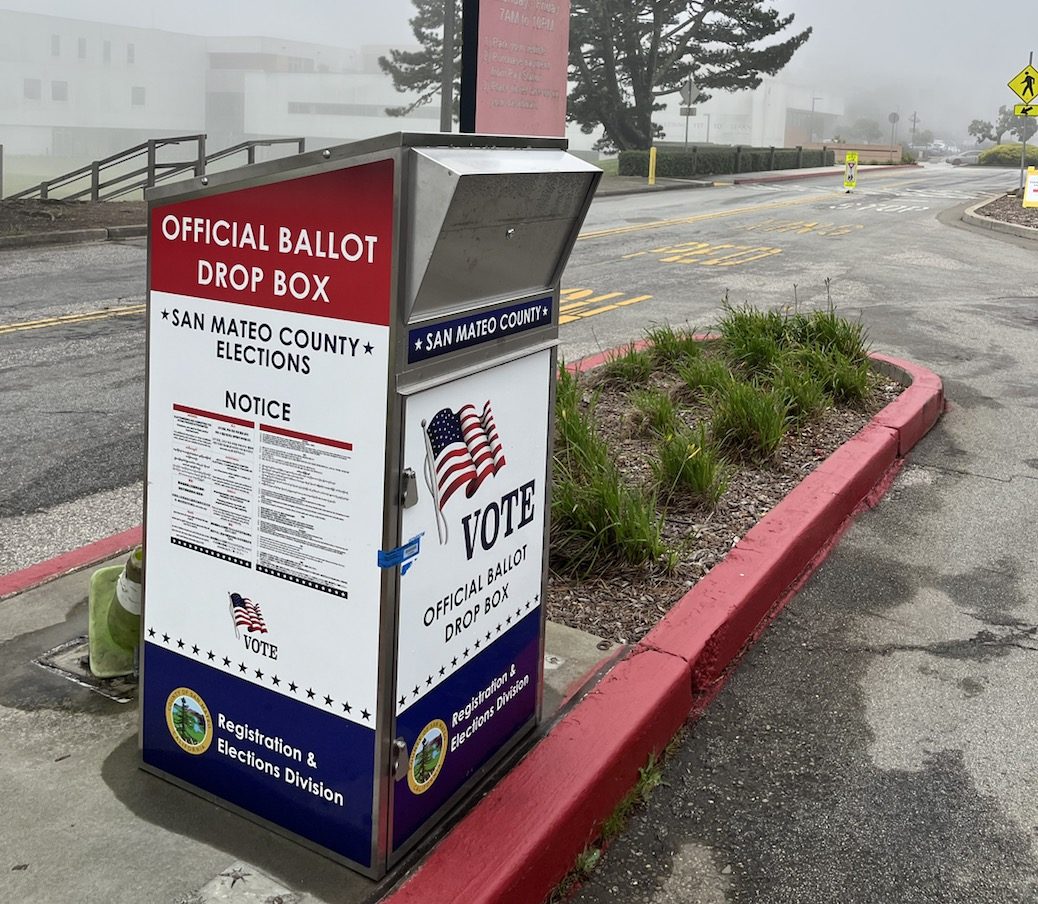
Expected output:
(350, 372)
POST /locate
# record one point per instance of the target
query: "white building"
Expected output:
(80, 90)
(777, 113)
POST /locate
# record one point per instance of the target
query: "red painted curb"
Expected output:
(523, 837)
(520, 839)
(711, 624)
(917, 409)
(42, 572)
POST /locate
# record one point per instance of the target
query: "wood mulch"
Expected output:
(622, 606)
(1009, 209)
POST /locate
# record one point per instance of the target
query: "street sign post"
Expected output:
(1024, 85)
(348, 435)
(689, 94)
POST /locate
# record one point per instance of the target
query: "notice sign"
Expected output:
(522, 64)
(267, 381)
(1030, 198)
(468, 658)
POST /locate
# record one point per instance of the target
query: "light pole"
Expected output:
(707, 115)
(813, 99)
(447, 72)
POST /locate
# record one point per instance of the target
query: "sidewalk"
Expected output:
(83, 823)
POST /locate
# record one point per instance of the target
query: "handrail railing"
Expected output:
(147, 175)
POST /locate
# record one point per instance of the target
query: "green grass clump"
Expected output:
(657, 411)
(708, 374)
(631, 366)
(803, 396)
(687, 460)
(597, 519)
(843, 378)
(749, 421)
(669, 346)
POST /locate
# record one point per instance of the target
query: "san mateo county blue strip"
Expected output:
(448, 336)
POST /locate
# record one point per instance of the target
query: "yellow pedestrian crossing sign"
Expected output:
(1025, 109)
(1025, 84)
(850, 170)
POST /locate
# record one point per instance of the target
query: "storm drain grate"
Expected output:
(70, 660)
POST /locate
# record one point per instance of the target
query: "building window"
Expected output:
(32, 88)
(106, 51)
(59, 91)
(55, 45)
(131, 53)
(81, 48)
(137, 96)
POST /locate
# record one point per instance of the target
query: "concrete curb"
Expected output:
(838, 171)
(970, 216)
(73, 236)
(649, 189)
(522, 838)
(91, 554)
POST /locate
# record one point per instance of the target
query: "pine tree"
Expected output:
(420, 71)
(627, 54)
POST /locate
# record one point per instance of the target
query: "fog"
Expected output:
(65, 84)
(947, 62)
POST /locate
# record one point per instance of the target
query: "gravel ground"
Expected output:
(624, 605)
(1008, 209)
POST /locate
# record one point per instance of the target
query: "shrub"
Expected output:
(749, 421)
(1007, 155)
(678, 163)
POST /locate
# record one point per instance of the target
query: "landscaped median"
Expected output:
(520, 840)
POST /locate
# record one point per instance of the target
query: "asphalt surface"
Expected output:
(877, 744)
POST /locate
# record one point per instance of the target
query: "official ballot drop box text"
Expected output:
(350, 372)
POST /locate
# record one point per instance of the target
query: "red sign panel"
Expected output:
(318, 245)
(521, 74)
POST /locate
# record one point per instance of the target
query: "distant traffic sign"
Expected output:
(1025, 109)
(1025, 84)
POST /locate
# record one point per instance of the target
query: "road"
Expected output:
(71, 319)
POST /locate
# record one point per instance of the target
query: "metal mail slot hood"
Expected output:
(486, 223)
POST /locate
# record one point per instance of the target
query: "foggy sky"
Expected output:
(949, 62)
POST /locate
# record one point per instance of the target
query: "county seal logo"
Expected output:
(188, 721)
(427, 756)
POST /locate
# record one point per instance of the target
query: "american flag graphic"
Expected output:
(465, 448)
(246, 614)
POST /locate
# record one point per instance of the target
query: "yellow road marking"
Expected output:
(723, 214)
(67, 319)
(580, 310)
(581, 304)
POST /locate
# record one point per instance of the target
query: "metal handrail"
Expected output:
(152, 172)
(93, 170)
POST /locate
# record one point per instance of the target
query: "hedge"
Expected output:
(699, 161)
(1001, 155)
